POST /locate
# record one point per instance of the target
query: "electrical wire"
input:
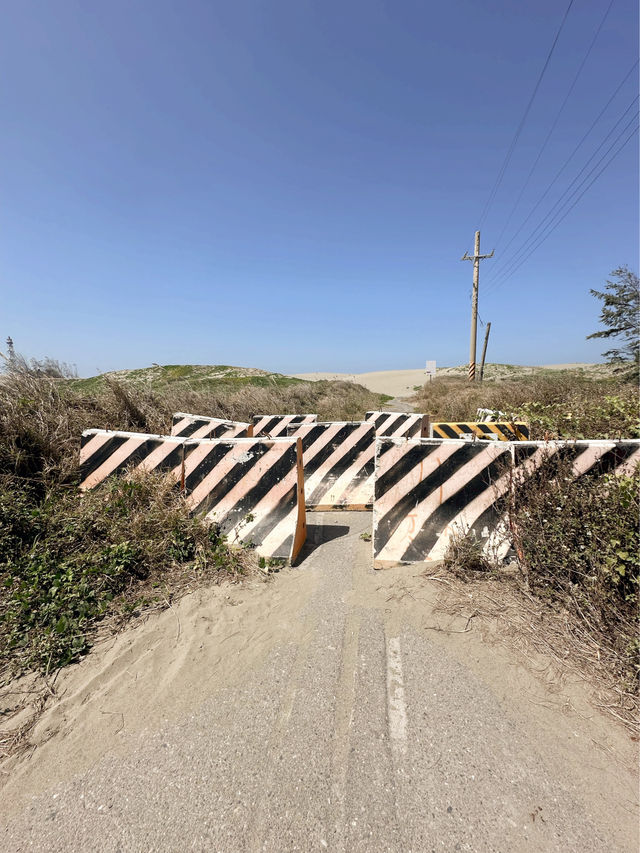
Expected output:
(553, 225)
(554, 125)
(514, 141)
(571, 156)
(562, 200)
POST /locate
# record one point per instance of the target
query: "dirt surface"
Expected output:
(332, 708)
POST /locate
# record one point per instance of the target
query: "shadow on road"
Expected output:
(318, 534)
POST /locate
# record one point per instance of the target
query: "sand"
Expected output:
(404, 383)
(395, 383)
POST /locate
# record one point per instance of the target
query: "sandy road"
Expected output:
(342, 716)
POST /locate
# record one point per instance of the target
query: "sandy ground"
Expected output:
(332, 708)
(396, 383)
(402, 383)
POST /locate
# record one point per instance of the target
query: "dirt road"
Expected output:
(331, 709)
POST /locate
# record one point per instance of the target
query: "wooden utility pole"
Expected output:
(484, 351)
(476, 258)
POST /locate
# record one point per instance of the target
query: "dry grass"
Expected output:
(556, 405)
(42, 419)
(573, 591)
(557, 644)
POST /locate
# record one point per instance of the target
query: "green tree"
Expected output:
(621, 315)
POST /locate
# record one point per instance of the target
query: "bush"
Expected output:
(562, 405)
(578, 545)
(69, 561)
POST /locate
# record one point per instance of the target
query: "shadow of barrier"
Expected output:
(199, 426)
(428, 491)
(252, 489)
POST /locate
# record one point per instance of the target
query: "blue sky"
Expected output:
(291, 184)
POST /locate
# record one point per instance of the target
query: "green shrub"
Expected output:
(69, 561)
(578, 545)
(562, 405)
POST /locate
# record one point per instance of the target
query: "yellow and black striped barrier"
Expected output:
(493, 430)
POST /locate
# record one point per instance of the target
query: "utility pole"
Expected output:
(484, 350)
(476, 258)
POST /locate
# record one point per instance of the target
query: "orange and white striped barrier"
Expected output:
(253, 489)
(199, 426)
(427, 491)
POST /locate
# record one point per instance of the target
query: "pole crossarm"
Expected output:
(467, 257)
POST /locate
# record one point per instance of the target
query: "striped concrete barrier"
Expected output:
(104, 453)
(493, 430)
(399, 424)
(338, 460)
(426, 491)
(199, 426)
(252, 488)
(279, 425)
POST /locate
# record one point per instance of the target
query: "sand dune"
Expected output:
(402, 383)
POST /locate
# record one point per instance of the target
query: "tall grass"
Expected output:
(69, 561)
(566, 405)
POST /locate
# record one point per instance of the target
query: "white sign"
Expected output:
(430, 369)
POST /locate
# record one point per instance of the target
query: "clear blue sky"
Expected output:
(291, 184)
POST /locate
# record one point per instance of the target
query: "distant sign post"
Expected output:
(430, 370)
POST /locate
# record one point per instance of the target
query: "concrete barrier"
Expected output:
(104, 453)
(338, 461)
(278, 425)
(199, 426)
(252, 488)
(426, 491)
(399, 424)
(493, 430)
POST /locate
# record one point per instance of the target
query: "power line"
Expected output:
(553, 225)
(514, 262)
(514, 141)
(555, 122)
(562, 200)
(571, 156)
(627, 140)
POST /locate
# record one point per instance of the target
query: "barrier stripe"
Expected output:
(252, 484)
(399, 424)
(338, 461)
(344, 454)
(201, 426)
(265, 504)
(318, 444)
(253, 488)
(501, 430)
(206, 475)
(427, 490)
(113, 452)
(627, 464)
(469, 468)
(277, 425)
